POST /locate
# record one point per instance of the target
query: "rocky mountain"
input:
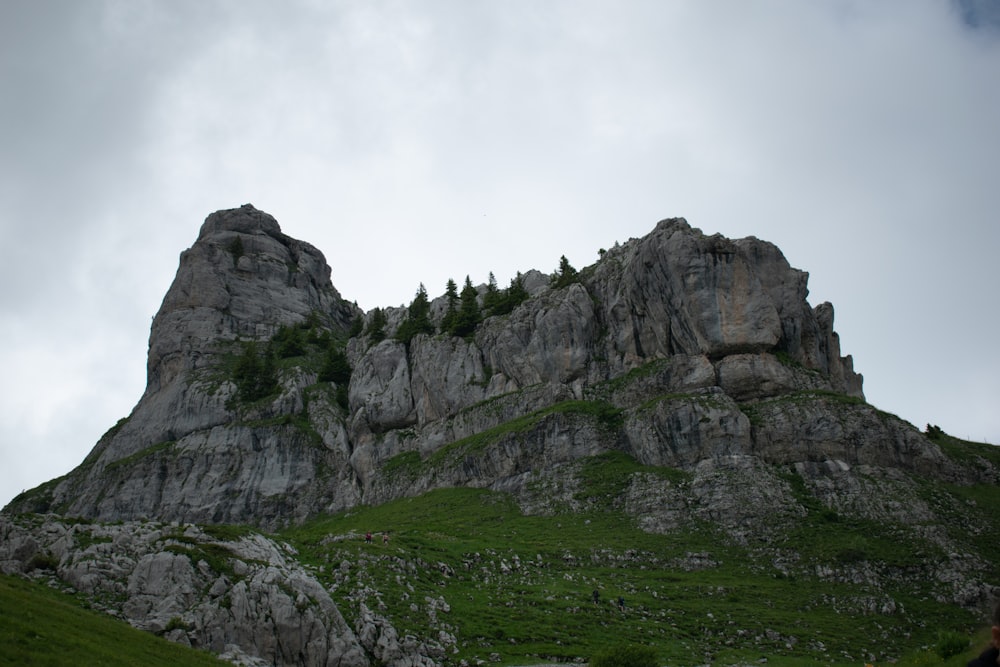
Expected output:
(271, 399)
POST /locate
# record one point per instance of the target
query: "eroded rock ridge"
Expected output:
(696, 342)
(271, 399)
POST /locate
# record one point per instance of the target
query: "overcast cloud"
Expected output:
(419, 141)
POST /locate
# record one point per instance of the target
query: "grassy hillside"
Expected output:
(466, 568)
(514, 589)
(42, 626)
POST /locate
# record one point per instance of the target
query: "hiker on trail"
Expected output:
(368, 537)
(385, 537)
(991, 656)
(597, 597)
(621, 603)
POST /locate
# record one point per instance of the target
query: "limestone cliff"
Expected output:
(243, 597)
(703, 347)
(271, 399)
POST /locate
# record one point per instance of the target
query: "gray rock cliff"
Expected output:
(246, 598)
(270, 399)
(706, 347)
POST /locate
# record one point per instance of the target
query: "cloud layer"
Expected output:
(415, 142)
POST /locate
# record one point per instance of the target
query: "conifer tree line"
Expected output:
(463, 311)
(255, 368)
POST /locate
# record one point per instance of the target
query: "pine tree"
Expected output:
(420, 311)
(335, 368)
(512, 297)
(418, 318)
(357, 326)
(493, 296)
(376, 326)
(468, 312)
(516, 294)
(565, 274)
(451, 313)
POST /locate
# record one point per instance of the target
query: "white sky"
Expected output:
(419, 141)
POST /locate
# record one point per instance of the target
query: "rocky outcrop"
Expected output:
(270, 399)
(246, 598)
(707, 347)
(242, 278)
(184, 452)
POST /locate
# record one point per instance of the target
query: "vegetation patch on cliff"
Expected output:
(604, 414)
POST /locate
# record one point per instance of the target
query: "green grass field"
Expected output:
(519, 588)
(467, 568)
(44, 627)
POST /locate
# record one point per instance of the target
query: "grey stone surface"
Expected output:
(248, 598)
(688, 352)
(706, 345)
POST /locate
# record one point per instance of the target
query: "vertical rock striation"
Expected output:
(677, 348)
(267, 404)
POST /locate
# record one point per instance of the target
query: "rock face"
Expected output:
(705, 346)
(184, 447)
(246, 599)
(271, 399)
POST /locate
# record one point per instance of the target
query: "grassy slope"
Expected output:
(520, 586)
(41, 626)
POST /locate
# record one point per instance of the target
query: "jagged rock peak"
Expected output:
(242, 278)
(246, 219)
(672, 223)
(725, 322)
(697, 357)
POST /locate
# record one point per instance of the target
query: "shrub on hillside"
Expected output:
(42, 561)
(950, 644)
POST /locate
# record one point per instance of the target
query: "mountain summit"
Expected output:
(678, 407)
(691, 350)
